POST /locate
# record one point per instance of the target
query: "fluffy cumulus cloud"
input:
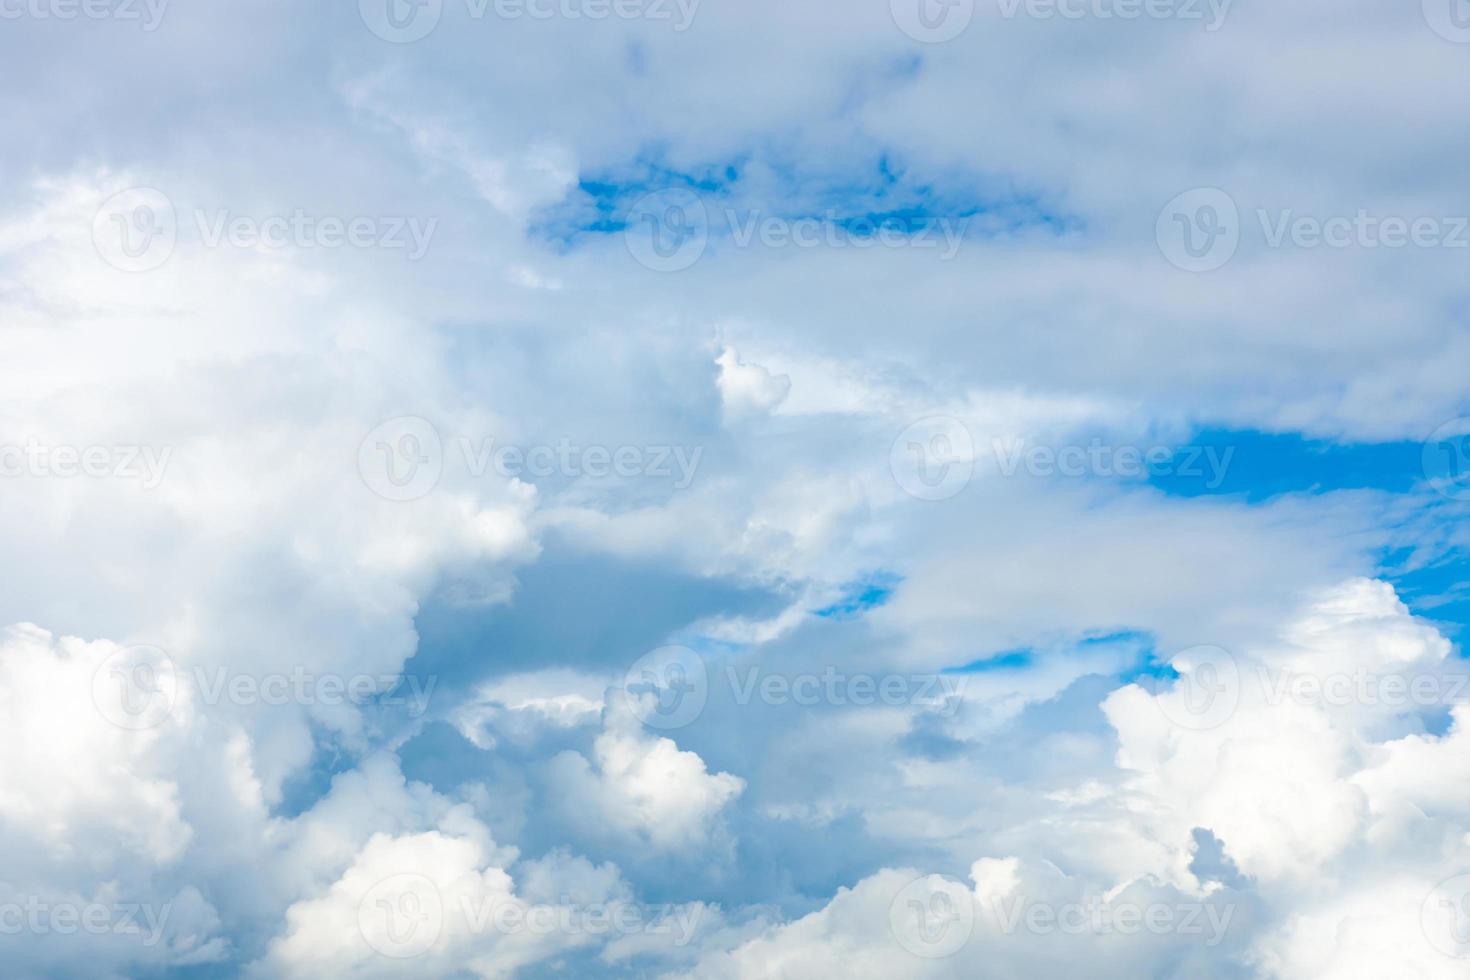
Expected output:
(527, 490)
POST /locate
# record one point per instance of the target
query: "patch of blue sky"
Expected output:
(1437, 590)
(1141, 644)
(1260, 465)
(1432, 577)
(861, 595)
(305, 787)
(884, 197)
